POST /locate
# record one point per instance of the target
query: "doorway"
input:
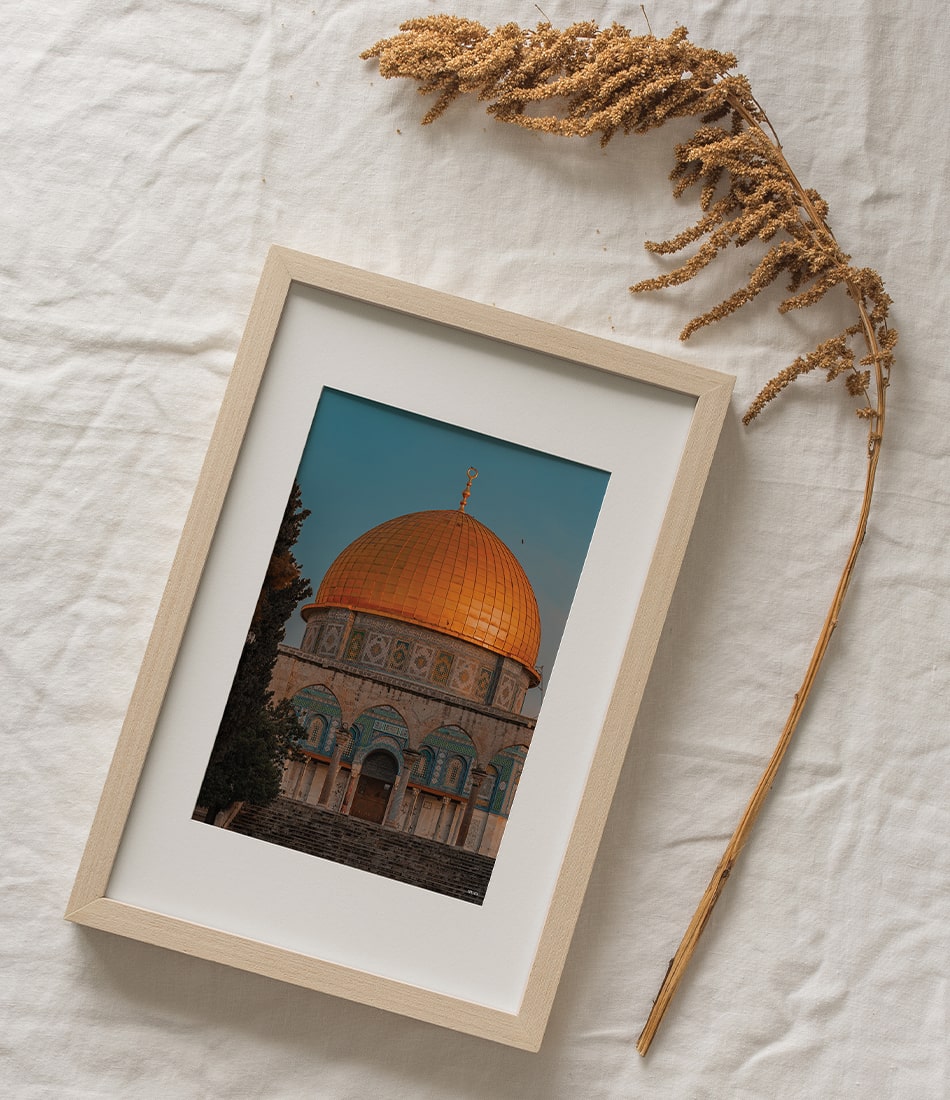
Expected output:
(374, 787)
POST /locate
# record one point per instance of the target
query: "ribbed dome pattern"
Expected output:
(443, 570)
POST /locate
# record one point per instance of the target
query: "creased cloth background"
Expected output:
(150, 151)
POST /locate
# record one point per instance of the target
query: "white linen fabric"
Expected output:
(149, 154)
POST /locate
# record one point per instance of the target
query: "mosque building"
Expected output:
(420, 646)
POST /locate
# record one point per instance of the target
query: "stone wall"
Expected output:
(368, 847)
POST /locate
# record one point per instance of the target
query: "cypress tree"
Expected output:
(256, 734)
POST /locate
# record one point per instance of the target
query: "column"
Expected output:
(513, 782)
(301, 766)
(409, 758)
(308, 784)
(412, 818)
(455, 809)
(438, 834)
(478, 777)
(486, 820)
(329, 780)
(351, 788)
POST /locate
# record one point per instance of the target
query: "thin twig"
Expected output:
(677, 968)
(688, 944)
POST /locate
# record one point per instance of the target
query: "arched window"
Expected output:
(454, 774)
(423, 767)
(316, 730)
(316, 707)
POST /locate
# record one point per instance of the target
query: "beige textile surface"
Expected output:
(149, 153)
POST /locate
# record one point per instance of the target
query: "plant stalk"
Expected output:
(684, 952)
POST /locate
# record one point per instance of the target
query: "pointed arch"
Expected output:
(454, 755)
(380, 726)
(319, 714)
(435, 729)
(507, 765)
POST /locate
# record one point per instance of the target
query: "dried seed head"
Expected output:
(605, 80)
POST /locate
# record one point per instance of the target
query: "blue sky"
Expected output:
(365, 463)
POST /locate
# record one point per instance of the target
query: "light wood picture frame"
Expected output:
(151, 873)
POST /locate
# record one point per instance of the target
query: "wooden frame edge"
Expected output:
(498, 324)
(199, 941)
(88, 904)
(616, 735)
(184, 576)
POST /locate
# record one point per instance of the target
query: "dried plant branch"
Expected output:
(608, 80)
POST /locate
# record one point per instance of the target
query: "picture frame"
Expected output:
(152, 873)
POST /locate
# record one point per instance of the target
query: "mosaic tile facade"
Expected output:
(409, 653)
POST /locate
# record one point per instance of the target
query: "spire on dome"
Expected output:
(467, 492)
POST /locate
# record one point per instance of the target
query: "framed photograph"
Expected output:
(396, 668)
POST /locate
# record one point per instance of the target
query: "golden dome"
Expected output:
(442, 570)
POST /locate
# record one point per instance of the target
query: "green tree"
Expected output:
(256, 734)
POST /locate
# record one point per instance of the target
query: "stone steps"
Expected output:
(368, 847)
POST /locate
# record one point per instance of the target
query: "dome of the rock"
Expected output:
(442, 570)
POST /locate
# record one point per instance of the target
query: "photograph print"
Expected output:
(386, 697)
